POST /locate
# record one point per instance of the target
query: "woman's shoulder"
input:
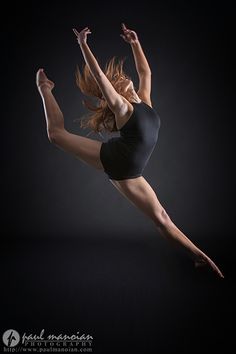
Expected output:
(126, 109)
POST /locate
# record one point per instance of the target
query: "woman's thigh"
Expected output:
(85, 149)
(139, 192)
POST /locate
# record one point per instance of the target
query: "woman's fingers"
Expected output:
(75, 32)
(125, 29)
(123, 26)
(123, 37)
(126, 33)
(129, 33)
(85, 30)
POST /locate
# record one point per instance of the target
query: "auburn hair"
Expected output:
(100, 116)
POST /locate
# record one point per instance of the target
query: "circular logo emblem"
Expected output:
(11, 338)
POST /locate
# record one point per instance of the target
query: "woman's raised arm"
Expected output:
(141, 63)
(114, 100)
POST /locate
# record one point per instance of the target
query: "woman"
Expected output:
(122, 109)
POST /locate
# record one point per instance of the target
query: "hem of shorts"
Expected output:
(107, 173)
(122, 178)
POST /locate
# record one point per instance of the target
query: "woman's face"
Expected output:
(125, 83)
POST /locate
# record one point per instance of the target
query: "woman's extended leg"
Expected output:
(87, 150)
(139, 192)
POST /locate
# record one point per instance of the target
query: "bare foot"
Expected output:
(204, 261)
(42, 81)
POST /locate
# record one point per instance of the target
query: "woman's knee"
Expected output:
(161, 218)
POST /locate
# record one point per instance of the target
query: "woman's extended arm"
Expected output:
(141, 63)
(114, 100)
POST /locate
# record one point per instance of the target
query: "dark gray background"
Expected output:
(76, 254)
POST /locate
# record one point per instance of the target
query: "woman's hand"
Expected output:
(128, 35)
(82, 35)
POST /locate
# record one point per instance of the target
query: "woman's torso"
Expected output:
(127, 155)
(142, 127)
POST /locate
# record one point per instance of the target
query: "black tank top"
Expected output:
(143, 125)
(127, 155)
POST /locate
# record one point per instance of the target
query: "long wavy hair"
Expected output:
(100, 117)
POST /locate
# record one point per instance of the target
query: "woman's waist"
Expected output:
(139, 139)
(132, 145)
